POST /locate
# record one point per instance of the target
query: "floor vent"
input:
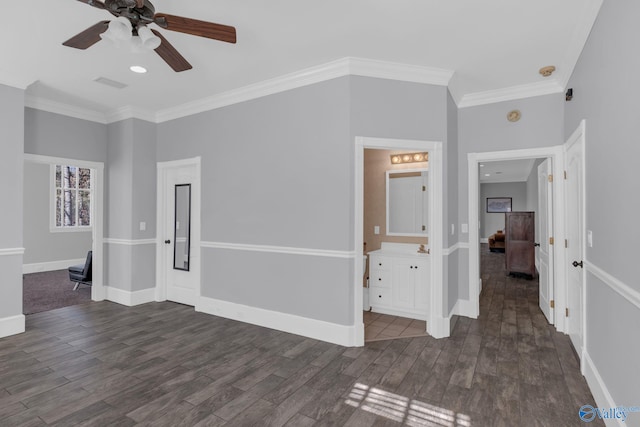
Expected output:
(109, 82)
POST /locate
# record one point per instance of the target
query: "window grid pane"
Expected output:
(84, 211)
(72, 196)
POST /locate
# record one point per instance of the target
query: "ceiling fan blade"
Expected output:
(94, 3)
(88, 37)
(195, 27)
(170, 55)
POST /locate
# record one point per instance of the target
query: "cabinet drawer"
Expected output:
(379, 296)
(380, 278)
(378, 262)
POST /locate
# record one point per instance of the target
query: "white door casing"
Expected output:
(177, 285)
(575, 226)
(544, 253)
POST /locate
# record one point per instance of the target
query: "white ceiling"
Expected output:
(487, 50)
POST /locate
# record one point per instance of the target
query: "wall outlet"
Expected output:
(143, 226)
(465, 228)
(453, 229)
(376, 229)
(589, 238)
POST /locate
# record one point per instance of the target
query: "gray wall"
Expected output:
(41, 245)
(485, 128)
(606, 92)
(490, 222)
(11, 174)
(452, 278)
(279, 171)
(55, 135)
(131, 199)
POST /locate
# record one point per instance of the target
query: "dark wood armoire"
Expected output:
(520, 243)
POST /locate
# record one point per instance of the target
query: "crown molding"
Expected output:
(511, 93)
(65, 109)
(308, 76)
(130, 112)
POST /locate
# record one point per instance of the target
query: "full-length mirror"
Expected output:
(407, 202)
(182, 227)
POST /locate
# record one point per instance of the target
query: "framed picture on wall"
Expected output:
(498, 204)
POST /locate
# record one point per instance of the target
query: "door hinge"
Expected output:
(424, 188)
(551, 240)
(565, 174)
(550, 177)
(424, 227)
(566, 312)
(552, 303)
(566, 243)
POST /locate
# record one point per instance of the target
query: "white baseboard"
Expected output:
(312, 328)
(598, 388)
(12, 325)
(129, 298)
(51, 265)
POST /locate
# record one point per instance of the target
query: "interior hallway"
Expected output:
(165, 364)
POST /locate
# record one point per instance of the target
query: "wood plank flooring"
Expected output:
(162, 364)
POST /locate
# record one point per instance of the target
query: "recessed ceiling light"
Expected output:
(487, 174)
(481, 165)
(138, 69)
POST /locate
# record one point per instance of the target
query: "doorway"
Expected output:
(437, 325)
(519, 187)
(553, 292)
(95, 202)
(178, 219)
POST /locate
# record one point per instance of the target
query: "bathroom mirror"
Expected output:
(182, 227)
(407, 202)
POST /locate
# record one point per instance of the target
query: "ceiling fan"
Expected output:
(133, 16)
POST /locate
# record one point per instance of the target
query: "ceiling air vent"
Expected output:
(109, 82)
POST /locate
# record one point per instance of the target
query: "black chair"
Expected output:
(81, 274)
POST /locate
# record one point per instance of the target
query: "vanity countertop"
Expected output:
(396, 249)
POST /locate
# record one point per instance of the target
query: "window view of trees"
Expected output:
(73, 196)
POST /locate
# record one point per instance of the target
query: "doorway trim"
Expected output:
(556, 154)
(97, 215)
(161, 218)
(437, 324)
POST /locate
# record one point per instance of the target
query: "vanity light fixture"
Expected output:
(397, 159)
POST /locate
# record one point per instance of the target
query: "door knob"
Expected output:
(578, 264)
(167, 241)
(536, 244)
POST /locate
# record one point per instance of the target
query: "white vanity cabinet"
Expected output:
(399, 281)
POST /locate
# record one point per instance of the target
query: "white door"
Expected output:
(544, 255)
(574, 166)
(181, 233)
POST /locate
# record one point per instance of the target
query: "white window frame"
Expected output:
(52, 201)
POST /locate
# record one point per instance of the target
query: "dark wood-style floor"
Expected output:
(162, 364)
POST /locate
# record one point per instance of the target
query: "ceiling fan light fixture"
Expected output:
(119, 30)
(147, 38)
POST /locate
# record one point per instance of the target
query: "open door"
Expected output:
(544, 252)
(574, 200)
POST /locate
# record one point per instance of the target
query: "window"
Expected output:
(72, 198)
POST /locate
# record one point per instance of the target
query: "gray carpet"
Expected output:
(50, 290)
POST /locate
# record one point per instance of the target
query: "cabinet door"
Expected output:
(402, 290)
(519, 243)
(422, 276)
